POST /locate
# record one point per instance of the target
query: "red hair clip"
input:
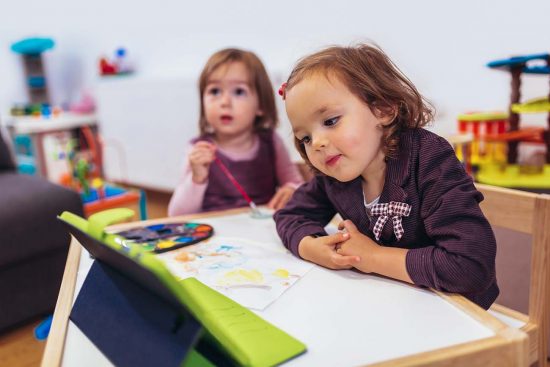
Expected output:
(282, 90)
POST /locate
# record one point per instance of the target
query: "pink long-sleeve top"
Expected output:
(188, 196)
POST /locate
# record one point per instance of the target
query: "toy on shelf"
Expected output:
(83, 161)
(484, 147)
(103, 195)
(84, 174)
(462, 143)
(119, 65)
(24, 155)
(529, 64)
(497, 136)
(31, 50)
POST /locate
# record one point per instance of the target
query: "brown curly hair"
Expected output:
(259, 81)
(371, 76)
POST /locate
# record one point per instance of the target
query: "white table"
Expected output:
(345, 318)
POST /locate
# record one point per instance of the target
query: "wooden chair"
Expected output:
(527, 213)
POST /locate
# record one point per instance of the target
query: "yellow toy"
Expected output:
(493, 155)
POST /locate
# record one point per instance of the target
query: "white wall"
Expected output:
(442, 46)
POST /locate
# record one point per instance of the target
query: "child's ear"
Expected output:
(385, 116)
(259, 113)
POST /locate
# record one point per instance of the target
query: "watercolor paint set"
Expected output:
(168, 236)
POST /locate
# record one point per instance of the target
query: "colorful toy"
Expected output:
(493, 151)
(168, 236)
(483, 128)
(120, 65)
(84, 163)
(517, 66)
(31, 50)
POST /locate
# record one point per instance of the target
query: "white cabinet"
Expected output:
(146, 123)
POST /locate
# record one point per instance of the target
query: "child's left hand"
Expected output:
(357, 245)
(281, 197)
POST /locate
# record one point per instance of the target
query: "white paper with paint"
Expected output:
(251, 273)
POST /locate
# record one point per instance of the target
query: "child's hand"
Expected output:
(200, 158)
(281, 197)
(357, 245)
(322, 251)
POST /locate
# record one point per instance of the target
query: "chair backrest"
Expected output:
(527, 213)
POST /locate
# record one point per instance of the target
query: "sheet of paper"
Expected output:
(251, 273)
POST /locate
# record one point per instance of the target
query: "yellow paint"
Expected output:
(241, 276)
(281, 273)
(165, 244)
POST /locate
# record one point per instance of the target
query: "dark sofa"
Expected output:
(33, 245)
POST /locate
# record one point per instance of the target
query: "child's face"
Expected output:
(230, 104)
(341, 135)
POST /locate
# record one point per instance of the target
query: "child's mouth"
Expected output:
(226, 119)
(332, 160)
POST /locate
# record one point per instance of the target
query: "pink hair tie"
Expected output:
(282, 91)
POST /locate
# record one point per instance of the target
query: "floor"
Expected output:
(19, 347)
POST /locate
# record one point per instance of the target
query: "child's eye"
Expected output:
(332, 121)
(305, 140)
(240, 92)
(213, 91)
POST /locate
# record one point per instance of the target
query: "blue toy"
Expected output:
(31, 50)
(42, 331)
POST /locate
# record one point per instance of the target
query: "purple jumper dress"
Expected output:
(257, 176)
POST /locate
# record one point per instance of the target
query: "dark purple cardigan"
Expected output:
(452, 246)
(257, 176)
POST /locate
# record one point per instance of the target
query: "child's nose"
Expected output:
(226, 99)
(319, 141)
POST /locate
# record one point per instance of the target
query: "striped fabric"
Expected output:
(451, 245)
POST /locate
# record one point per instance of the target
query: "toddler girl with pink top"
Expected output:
(237, 121)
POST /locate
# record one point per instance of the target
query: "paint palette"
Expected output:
(168, 236)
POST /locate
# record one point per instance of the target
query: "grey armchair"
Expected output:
(33, 245)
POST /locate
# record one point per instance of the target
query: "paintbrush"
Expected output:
(255, 211)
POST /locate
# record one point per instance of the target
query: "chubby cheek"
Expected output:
(315, 158)
(360, 143)
(208, 108)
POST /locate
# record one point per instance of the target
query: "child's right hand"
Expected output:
(200, 158)
(322, 251)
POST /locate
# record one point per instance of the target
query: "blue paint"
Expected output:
(156, 227)
(225, 248)
(183, 239)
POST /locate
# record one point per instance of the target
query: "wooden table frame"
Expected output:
(508, 347)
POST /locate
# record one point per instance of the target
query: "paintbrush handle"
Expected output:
(234, 182)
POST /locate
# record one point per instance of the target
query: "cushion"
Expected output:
(29, 206)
